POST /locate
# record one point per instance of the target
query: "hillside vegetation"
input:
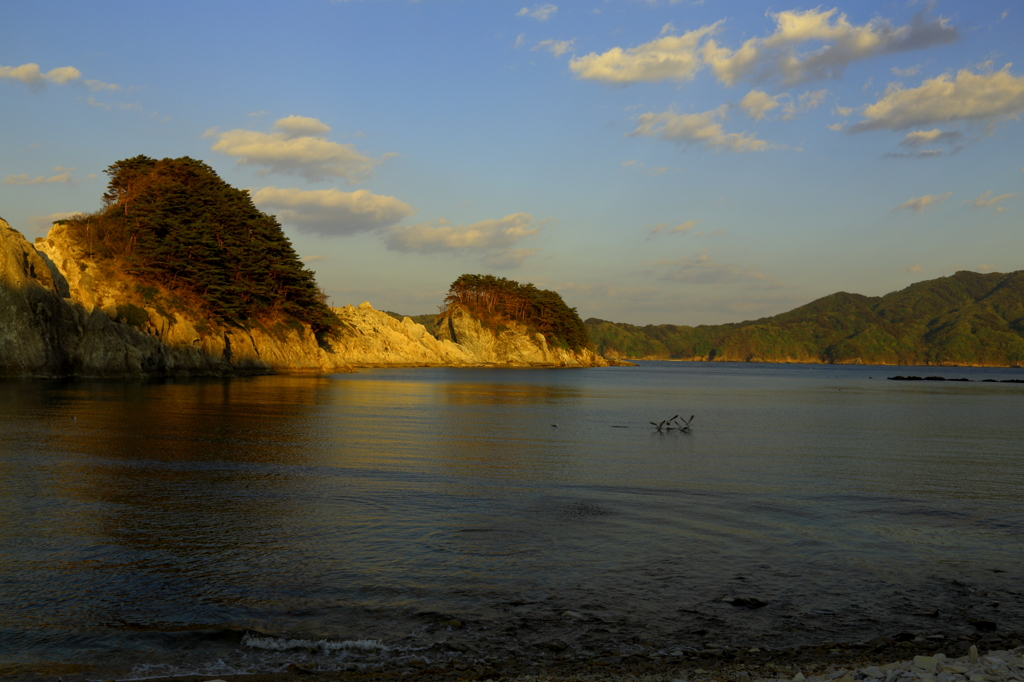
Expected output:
(496, 300)
(175, 224)
(965, 319)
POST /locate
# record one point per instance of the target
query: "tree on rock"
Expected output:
(489, 297)
(175, 222)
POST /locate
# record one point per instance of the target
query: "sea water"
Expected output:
(218, 526)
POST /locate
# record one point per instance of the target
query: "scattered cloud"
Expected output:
(914, 269)
(520, 41)
(776, 57)
(485, 236)
(757, 103)
(97, 86)
(804, 103)
(316, 258)
(123, 106)
(41, 224)
(302, 125)
(919, 204)
(702, 128)
(63, 176)
(808, 45)
(918, 138)
(556, 47)
(702, 269)
(970, 97)
(668, 58)
(986, 200)
(296, 147)
(538, 12)
(906, 73)
(31, 75)
(331, 212)
(682, 227)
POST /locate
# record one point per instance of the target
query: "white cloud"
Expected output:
(331, 212)
(302, 125)
(836, 126)
(808, 45)
(669, 58)
(317, 258)
(520, 41)
(538, 12)
(804, 103)
(556, 47)
(776, 57)
(63, 176)
(986, 200)
(914, 269)
(757, 103)
(968, 97)
(441, 236)
(917, 138)
(97, 86)
(919, 204)
(297, 148)
(702, 128)
(31, 75)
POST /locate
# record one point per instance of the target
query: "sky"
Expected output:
(654, 162)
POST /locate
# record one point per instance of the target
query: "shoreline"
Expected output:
(905, 657)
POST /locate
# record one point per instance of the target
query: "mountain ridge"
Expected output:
(967, 318)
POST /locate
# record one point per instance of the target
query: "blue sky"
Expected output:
(654, 162)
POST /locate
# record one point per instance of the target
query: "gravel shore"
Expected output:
(906, 657)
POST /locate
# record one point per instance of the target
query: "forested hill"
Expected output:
(174, 224)
(965, 319)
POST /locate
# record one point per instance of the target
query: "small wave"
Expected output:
(281, 644)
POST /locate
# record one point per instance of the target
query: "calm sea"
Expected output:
(217, 526)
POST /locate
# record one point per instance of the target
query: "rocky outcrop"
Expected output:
(59, 317)
(63, 315)
(370, 338)
(512, 344)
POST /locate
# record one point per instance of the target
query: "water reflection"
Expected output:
(349, 505)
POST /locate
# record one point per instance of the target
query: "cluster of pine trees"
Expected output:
(541, 310)
(176, 223)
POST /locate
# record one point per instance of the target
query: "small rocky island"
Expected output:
(179, 274)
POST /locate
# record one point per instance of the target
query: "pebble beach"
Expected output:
(905, 657)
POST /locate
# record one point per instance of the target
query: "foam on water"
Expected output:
(281, 644)
(271, 654)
